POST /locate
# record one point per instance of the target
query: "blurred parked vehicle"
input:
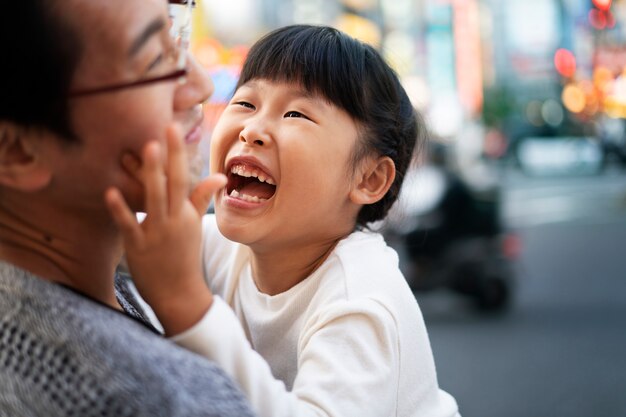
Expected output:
(575, 155)
(448, 233)
(612, 135)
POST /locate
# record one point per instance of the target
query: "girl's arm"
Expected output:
(348, 362)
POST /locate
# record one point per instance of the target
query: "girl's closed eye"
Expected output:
(244, 104)
(294, 113)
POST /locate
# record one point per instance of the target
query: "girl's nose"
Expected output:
(251, 140)
(255, 134)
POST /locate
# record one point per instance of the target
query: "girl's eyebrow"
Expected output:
(302, 93)
(297, 92)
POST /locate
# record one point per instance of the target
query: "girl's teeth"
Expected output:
(243, 172)
(246, 197)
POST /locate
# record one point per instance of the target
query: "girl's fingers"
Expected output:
(203, 192)
(155, 182)
(177, 170)
(123, 217)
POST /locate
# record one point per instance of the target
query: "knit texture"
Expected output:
(63, 354)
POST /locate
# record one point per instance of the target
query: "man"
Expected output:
(83, 84)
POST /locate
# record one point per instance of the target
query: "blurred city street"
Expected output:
(559, 350)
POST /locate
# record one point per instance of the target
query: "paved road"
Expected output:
(561, 349)
(532, 201)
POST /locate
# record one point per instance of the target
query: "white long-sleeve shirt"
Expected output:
(349, 340)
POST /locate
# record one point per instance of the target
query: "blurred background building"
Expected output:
(489, 72)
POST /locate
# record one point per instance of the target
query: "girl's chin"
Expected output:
(233, 233)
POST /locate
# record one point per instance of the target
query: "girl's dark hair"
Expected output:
(40, 54)
(352, 76)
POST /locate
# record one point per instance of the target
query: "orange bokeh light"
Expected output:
(574, 98)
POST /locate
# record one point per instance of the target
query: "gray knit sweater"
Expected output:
(63, 354)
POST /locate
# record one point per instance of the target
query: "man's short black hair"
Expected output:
(39, 55)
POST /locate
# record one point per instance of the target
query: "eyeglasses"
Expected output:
(180, 14)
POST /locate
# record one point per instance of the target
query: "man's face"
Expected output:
(123, 41)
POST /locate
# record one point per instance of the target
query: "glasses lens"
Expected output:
(180, 14)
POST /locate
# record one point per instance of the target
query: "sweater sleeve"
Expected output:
(346, 355)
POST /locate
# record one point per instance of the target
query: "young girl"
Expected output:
(311, 315)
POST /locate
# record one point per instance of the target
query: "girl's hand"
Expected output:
(163, 252)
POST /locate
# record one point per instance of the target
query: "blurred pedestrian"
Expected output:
(82, 83)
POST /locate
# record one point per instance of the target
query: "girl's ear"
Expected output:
(374, 177)
(21, 165)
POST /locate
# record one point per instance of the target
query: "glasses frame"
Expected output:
(183, 37)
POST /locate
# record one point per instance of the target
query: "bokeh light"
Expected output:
(603, 5)
(565, 62)
(574, 98)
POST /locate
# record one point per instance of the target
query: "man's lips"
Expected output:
(194, 119)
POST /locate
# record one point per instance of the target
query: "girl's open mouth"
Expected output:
(249, 183)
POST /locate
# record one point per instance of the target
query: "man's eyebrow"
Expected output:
(153, 27)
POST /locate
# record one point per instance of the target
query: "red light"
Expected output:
(603, 5)
(565, 62)
(597, 19)
(610, 20)
(512, 246)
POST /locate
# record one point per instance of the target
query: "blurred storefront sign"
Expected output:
(308, 11)
(533, 26)
(468, 55)
(360, 28)
(360, 4)
(445, 113)
(234, 22)
(611, 57)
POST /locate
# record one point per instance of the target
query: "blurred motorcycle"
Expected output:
(448, 233)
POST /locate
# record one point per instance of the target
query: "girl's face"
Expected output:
(287, 155)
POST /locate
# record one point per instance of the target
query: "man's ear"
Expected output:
(21, 165)
(374, 177)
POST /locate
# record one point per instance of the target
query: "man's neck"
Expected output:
(76, 251)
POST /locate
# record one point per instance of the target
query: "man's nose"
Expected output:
(198, 88)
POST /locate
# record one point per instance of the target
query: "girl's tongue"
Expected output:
(250, 187)
(255, 188)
